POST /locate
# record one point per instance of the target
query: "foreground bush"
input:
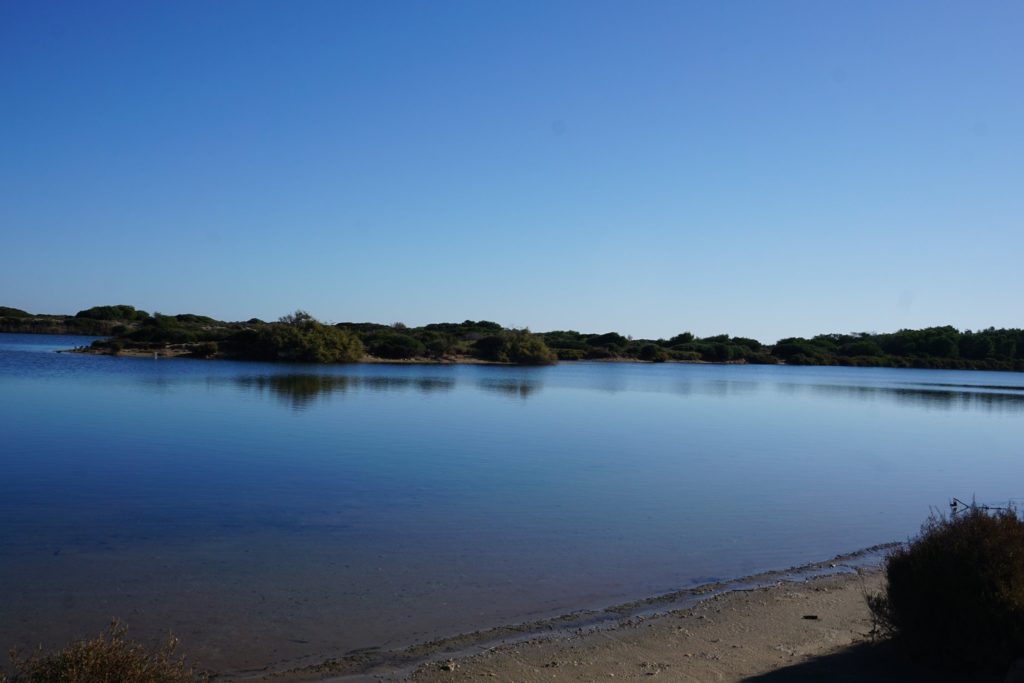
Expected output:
(955, 594)
(108, 658)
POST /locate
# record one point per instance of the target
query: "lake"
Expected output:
(273, 514)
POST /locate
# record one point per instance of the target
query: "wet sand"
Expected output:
(817, 630)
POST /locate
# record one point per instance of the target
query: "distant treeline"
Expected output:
(300, 337)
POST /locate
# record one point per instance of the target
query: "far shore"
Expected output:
(299, 336)
(178, 352)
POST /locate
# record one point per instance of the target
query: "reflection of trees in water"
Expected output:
(301, 390)
(424, 385)
(510, 387)
(945, 398)
(718, 388)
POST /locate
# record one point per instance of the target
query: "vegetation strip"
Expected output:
(301, 338)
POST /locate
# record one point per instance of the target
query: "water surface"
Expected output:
(270, 513)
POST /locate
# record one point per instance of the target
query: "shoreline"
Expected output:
(171, 352)
(462, 655)
(931, 348)
(168, 353)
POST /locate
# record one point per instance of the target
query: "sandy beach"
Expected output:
(816, 630)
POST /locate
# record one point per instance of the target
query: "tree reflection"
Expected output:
(299, 391)
(521, 388)
(943, 397)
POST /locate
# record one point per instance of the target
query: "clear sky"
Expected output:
(756, 168)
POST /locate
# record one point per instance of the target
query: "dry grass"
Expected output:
(108, 658)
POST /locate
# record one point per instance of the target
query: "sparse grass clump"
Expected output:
(955, 594)
(107, 658)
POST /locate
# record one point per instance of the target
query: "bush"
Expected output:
(680, 339)
(119, 312)
(955, 594)
(297, 337)
(437, 344)
(861, 347)
(526, 348)
(652, 353)
(205, 350)
(162, 329)
(613, 341)
(396, 346)
(520, 347)
(109, 657)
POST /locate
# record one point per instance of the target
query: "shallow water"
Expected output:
(270, 513)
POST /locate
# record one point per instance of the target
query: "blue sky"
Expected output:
(760, 169)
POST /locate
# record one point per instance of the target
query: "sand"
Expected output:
(816, 630)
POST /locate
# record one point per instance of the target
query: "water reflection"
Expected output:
(299, 391)
(510, 387)
(715, 388)
(943, 399)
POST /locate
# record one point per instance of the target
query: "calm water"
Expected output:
(269, 513)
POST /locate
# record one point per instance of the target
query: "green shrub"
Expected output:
(526, 348)
(751, 344)
(861, 347)
(681, 339)
(206, 349)
(296, 337)
(108, 658)
(118, 312)
(396, 346)
(612, 341)
(437, 344)
(490, 348)
(955, 594)
(795, 350)
(162, 329)
(653, 353)
(520, 347)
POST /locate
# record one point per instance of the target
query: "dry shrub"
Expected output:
(107, 658)
(955, 594)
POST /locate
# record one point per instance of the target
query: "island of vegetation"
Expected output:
(301, 338)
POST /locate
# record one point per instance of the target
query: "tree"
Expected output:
(653, 353)
(297, 337)
(520, 347)
(396, 346)
(680, 339)
(118, 312)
